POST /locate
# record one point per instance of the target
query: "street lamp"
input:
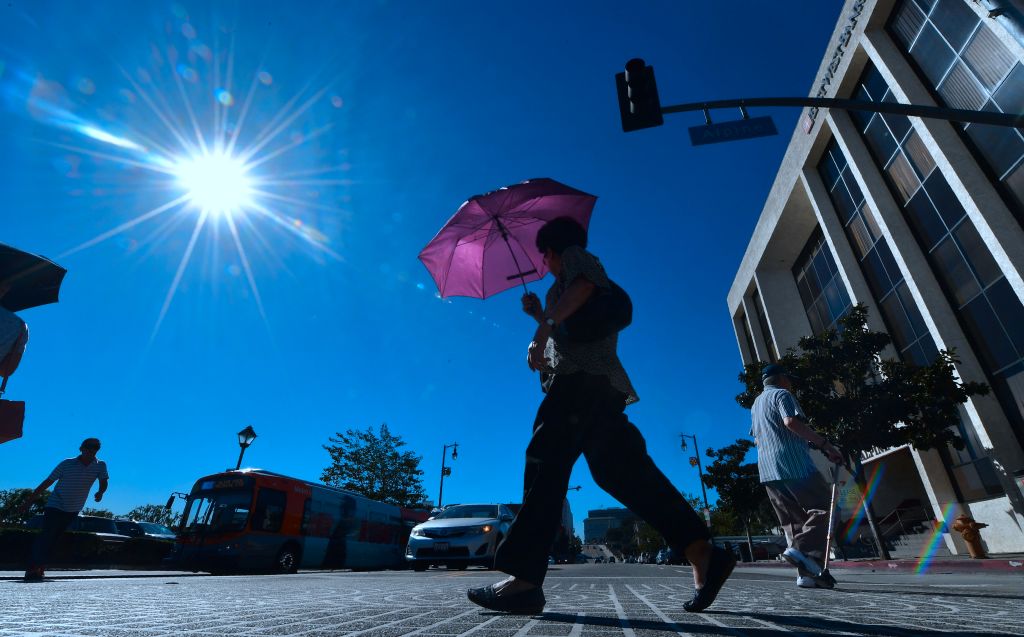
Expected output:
(446, 471)
(245, 438)
(695, 461)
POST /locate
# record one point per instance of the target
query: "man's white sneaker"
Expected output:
(803, 581)
(801, 561)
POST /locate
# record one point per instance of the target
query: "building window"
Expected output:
(965, 65)
(899, 312)
(821, 288)
(762, 321)
(747, 335)
(974, 472)
(977, 289)
(989, 311)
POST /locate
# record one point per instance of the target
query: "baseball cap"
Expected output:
(775, 369)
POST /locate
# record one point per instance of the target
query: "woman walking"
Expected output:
(587, 391)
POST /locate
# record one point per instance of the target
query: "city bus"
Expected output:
(257, 520)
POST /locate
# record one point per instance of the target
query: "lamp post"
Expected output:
(695, 461)
(446, 471)
(245, 438)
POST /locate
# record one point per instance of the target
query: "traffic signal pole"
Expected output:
(912, 110)
(640, 105)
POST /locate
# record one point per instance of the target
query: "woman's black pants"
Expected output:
(583, 413)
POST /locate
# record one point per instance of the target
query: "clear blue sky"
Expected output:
(425, 104)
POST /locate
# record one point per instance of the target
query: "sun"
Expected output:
(216, 183)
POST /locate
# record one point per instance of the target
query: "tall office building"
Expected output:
(923, 221)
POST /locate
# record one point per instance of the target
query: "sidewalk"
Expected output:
(106, 573)
(1004, 564)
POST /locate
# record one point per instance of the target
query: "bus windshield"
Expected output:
(217, 511)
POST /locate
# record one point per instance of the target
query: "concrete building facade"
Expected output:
(599, 521)
(922, 220)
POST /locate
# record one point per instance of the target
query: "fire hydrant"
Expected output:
(968, 529)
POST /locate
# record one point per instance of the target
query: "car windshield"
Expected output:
(128, 528)
(155, 529)
(221, 510)
(483, 511)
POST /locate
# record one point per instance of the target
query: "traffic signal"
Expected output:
(639, 105)
(447, 471)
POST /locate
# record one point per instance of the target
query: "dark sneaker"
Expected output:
(719, 570)
(529, 602)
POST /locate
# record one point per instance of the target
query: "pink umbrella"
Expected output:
(489, 245)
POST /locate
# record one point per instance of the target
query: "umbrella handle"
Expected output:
(519, 269)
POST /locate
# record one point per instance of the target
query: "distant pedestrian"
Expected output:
(74, 478)
(587, 390)
(796, 489)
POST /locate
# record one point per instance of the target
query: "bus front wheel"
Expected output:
(287, 559)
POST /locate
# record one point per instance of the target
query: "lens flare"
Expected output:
(865, 500)
(932, 545)
(202, 150)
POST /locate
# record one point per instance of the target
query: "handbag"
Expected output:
(12, 416)
(607, 311)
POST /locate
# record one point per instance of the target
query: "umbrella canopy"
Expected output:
(33, 280)
(489, 245)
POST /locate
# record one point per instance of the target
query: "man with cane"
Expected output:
(796, 489)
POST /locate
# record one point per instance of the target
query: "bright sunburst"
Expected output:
(208, 155)
(216, 183)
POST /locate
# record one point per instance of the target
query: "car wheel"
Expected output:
(461, 566)
(287, 559)
(419, 567)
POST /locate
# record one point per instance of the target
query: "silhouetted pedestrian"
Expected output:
(74, 478)
(587, 390)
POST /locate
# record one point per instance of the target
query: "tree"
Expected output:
(647, 539)
(372, 465)
(737, 483)
(156, 513)
(11, 500)
(860, 401)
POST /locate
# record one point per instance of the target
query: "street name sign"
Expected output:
(732, 131)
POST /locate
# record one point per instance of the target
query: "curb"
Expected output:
(960, 566)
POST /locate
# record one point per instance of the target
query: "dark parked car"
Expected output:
(150, 530)
(104, 528)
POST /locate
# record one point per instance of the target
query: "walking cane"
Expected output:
(825, 575)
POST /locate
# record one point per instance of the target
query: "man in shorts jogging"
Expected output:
(796, 489)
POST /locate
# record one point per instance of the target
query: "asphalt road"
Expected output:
(605, 600)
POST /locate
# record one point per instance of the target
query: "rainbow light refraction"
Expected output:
(865, 499)
(932, 545)
(208, 166)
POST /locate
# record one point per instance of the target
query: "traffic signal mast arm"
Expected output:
(640, 105)
(912, 110)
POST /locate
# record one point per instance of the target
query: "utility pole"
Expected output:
(446, 471)
(695, 461)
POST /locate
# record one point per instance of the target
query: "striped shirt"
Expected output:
(781, 454)
(74, 480)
